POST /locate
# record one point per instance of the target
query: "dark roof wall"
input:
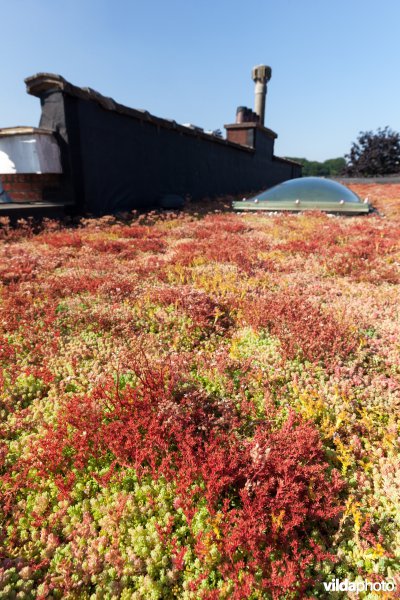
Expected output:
(118, 158)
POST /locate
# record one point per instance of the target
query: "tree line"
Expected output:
(373, 154)
(329, 168)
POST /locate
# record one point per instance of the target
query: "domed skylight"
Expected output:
(306, 193)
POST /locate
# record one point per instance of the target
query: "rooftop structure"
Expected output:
(307, 193)
(106, 157)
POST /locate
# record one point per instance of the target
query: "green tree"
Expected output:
(328, 168)
(336, 166)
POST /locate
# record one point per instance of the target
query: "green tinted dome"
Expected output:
(306, 193)
(311, 189)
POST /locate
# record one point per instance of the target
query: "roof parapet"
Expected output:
(41, 84)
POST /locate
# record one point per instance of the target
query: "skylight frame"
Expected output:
(348, 202)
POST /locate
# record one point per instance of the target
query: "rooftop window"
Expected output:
(306, 193)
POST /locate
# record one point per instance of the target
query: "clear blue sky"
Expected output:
(335, 64)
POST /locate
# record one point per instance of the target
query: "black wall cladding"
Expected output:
(115, 158)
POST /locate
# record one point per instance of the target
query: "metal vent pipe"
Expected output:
(261, 75)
